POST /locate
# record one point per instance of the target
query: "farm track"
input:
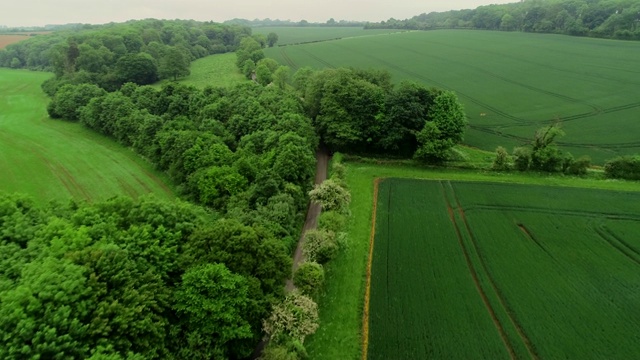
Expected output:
(318, 59)
(503, 304)
(476, 280)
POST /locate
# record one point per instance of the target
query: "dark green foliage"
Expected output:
(69, 99)
(623, 167)
(309, 278)
(578, 166)
(212, 304)
(320, 246)
(272, 39)
(113, 54)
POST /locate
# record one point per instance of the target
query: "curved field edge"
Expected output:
(52, 159)
(342, 303)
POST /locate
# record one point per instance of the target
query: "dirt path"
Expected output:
(313, 212)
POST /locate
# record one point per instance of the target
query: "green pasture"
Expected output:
(52, 159)
(480, 270)
(288, 35)
(511, 83)
(214, 70)
(341, 304)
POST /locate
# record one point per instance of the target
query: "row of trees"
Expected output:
(600, 18)
(110, 55)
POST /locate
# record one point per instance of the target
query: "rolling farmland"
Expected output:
(510, 83)
(52, 159)
(288, 35)
(465, 270)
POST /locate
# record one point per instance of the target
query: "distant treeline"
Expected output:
(113, 54)
(269, 22)
(598, 18)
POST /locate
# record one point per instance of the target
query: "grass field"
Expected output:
(214, 70)
(485, 270)
(288, 35)
(50, 159)
(510, 83)
(339, 336)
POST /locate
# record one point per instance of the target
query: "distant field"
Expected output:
(292, 35)
(213, 70)
(471, 270)
(52, 159)
(6, 39)
(510, 83)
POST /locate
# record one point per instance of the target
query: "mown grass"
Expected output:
(52, 159)
(510, 83)
(288, 35)
(215, 70)
(339, 336)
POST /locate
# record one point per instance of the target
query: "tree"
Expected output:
(272, 39)
(174, 64)
(501, 162)
(319, 246)
(295, 317)
(309, 278)
(138, 68)
(212, 303)
(444, 129)
(263, 75)
(331, 195)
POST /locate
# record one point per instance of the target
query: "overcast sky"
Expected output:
(42, 12)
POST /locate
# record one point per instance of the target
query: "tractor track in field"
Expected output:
(617, 243)
(318, 59)
(532, 238)
(540, 210)
(476, 280)
(287, 59)
(523, 337)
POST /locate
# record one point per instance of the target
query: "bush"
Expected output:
(501, 162)
(623, 167)
(332, 221)
(320, 246)
(294, 318)
(331, 195)
(577, 167)
(521, 158)
(309, 278)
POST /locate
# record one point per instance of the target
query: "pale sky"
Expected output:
(42, 12)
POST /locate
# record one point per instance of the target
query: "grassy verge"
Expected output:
(51, 159)
(339, 335)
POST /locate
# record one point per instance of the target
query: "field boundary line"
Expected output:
(474, 275)
(496, 290)
(367, 291)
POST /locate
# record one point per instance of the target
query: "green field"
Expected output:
(473, 270)
(214, 70)
(511, 83)
(51, 159)
(288, 35)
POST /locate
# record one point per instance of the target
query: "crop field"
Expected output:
(510, 83)
(288, 35)
(6, 39)
(52, 159)
(481, 270)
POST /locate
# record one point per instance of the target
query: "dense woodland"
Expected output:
(110, 55)
(618, 19)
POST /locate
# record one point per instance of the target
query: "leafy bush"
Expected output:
(623, 167)
(320, 246)
(331, 195)
(309, 278)
(501, 162)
